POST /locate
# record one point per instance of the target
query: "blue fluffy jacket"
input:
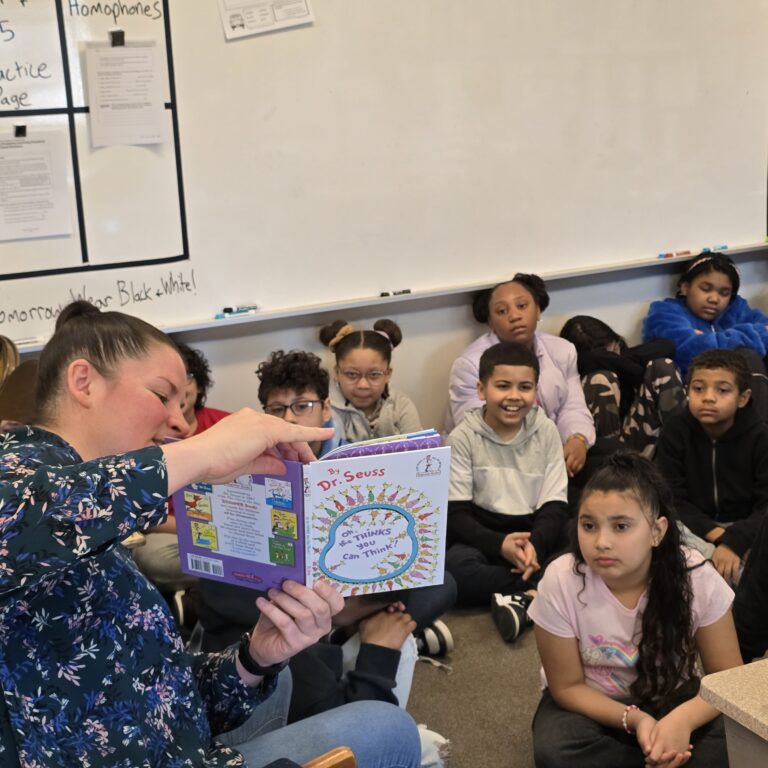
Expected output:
(738, 326)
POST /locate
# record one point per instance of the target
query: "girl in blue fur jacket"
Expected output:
(708, 313)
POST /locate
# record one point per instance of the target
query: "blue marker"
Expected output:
(715, 248)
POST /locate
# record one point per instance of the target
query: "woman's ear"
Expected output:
(80, 382)
(659, 530)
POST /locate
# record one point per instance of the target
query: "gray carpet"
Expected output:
(486, 704)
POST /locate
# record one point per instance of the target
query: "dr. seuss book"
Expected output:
(369, 517)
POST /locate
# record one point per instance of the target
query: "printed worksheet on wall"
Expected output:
(253, 17)
(370, 517)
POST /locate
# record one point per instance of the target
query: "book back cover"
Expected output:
(249, 532)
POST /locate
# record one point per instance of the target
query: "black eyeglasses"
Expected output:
(299, 408)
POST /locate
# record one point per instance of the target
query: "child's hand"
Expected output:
(531, 561)
(727, 563)
(643, 728)
(575, 454)
(700, 333)
(388, 630)
(670, 742)
(513, 549)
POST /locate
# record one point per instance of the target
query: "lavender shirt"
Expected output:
(559, 391)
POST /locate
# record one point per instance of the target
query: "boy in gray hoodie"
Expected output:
(507, 502)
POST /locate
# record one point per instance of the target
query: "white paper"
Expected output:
(252, 17)
(125, 96)
(33, 187)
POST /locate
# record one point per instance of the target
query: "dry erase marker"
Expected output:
(400, 293)
(241, 308)
(233, 313)
(715, 248)
(31, 340)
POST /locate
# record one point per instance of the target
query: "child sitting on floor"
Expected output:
(715, 457)
(708, 313)
(508, 489)
(619, 624)
(364, 405)
(630, 391)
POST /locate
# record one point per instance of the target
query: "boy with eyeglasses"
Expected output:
(294, 386)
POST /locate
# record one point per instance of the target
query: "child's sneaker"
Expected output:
(510, 614)
(435, 640)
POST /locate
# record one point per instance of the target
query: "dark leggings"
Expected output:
(564, 738)
(478, 577)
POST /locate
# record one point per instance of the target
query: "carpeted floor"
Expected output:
(485, 705)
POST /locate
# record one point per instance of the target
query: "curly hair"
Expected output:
(294, 370)
(481, 302)
(198, 368)
(667, 652)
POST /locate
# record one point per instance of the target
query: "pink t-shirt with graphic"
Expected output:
(607, 631)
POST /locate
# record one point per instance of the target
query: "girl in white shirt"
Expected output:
(619, 623)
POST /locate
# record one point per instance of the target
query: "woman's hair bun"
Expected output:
(79, 308)
(390, 329)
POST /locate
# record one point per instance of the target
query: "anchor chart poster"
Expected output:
(371, 523)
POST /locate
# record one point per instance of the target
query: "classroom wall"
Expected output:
(436, 330)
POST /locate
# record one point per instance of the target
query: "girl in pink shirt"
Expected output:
(619, 624)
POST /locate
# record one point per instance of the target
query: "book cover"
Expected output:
(368, 523)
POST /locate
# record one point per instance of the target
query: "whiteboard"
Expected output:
(422, 144)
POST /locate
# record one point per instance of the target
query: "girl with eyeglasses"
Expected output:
(363, 404)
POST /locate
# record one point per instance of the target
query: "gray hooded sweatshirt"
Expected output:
(499, 487)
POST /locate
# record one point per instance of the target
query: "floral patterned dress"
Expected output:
(92, 670)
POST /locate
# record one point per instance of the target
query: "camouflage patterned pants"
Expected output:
(660, 395)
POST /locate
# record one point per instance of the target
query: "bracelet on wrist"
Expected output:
(250, 664)
(625, 718)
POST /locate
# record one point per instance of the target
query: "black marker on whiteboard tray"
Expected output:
(400, 293)
(235, 312)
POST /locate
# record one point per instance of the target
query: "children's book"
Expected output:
(368, 517)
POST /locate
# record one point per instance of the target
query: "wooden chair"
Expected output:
(341, 757)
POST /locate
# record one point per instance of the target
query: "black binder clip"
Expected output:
(20, 131)
(116, 38)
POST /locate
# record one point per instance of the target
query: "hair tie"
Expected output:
(345, 330)
(385, 335)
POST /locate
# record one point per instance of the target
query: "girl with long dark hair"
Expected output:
(619, 623)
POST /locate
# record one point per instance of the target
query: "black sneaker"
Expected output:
(436, 640)
(510, 614)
